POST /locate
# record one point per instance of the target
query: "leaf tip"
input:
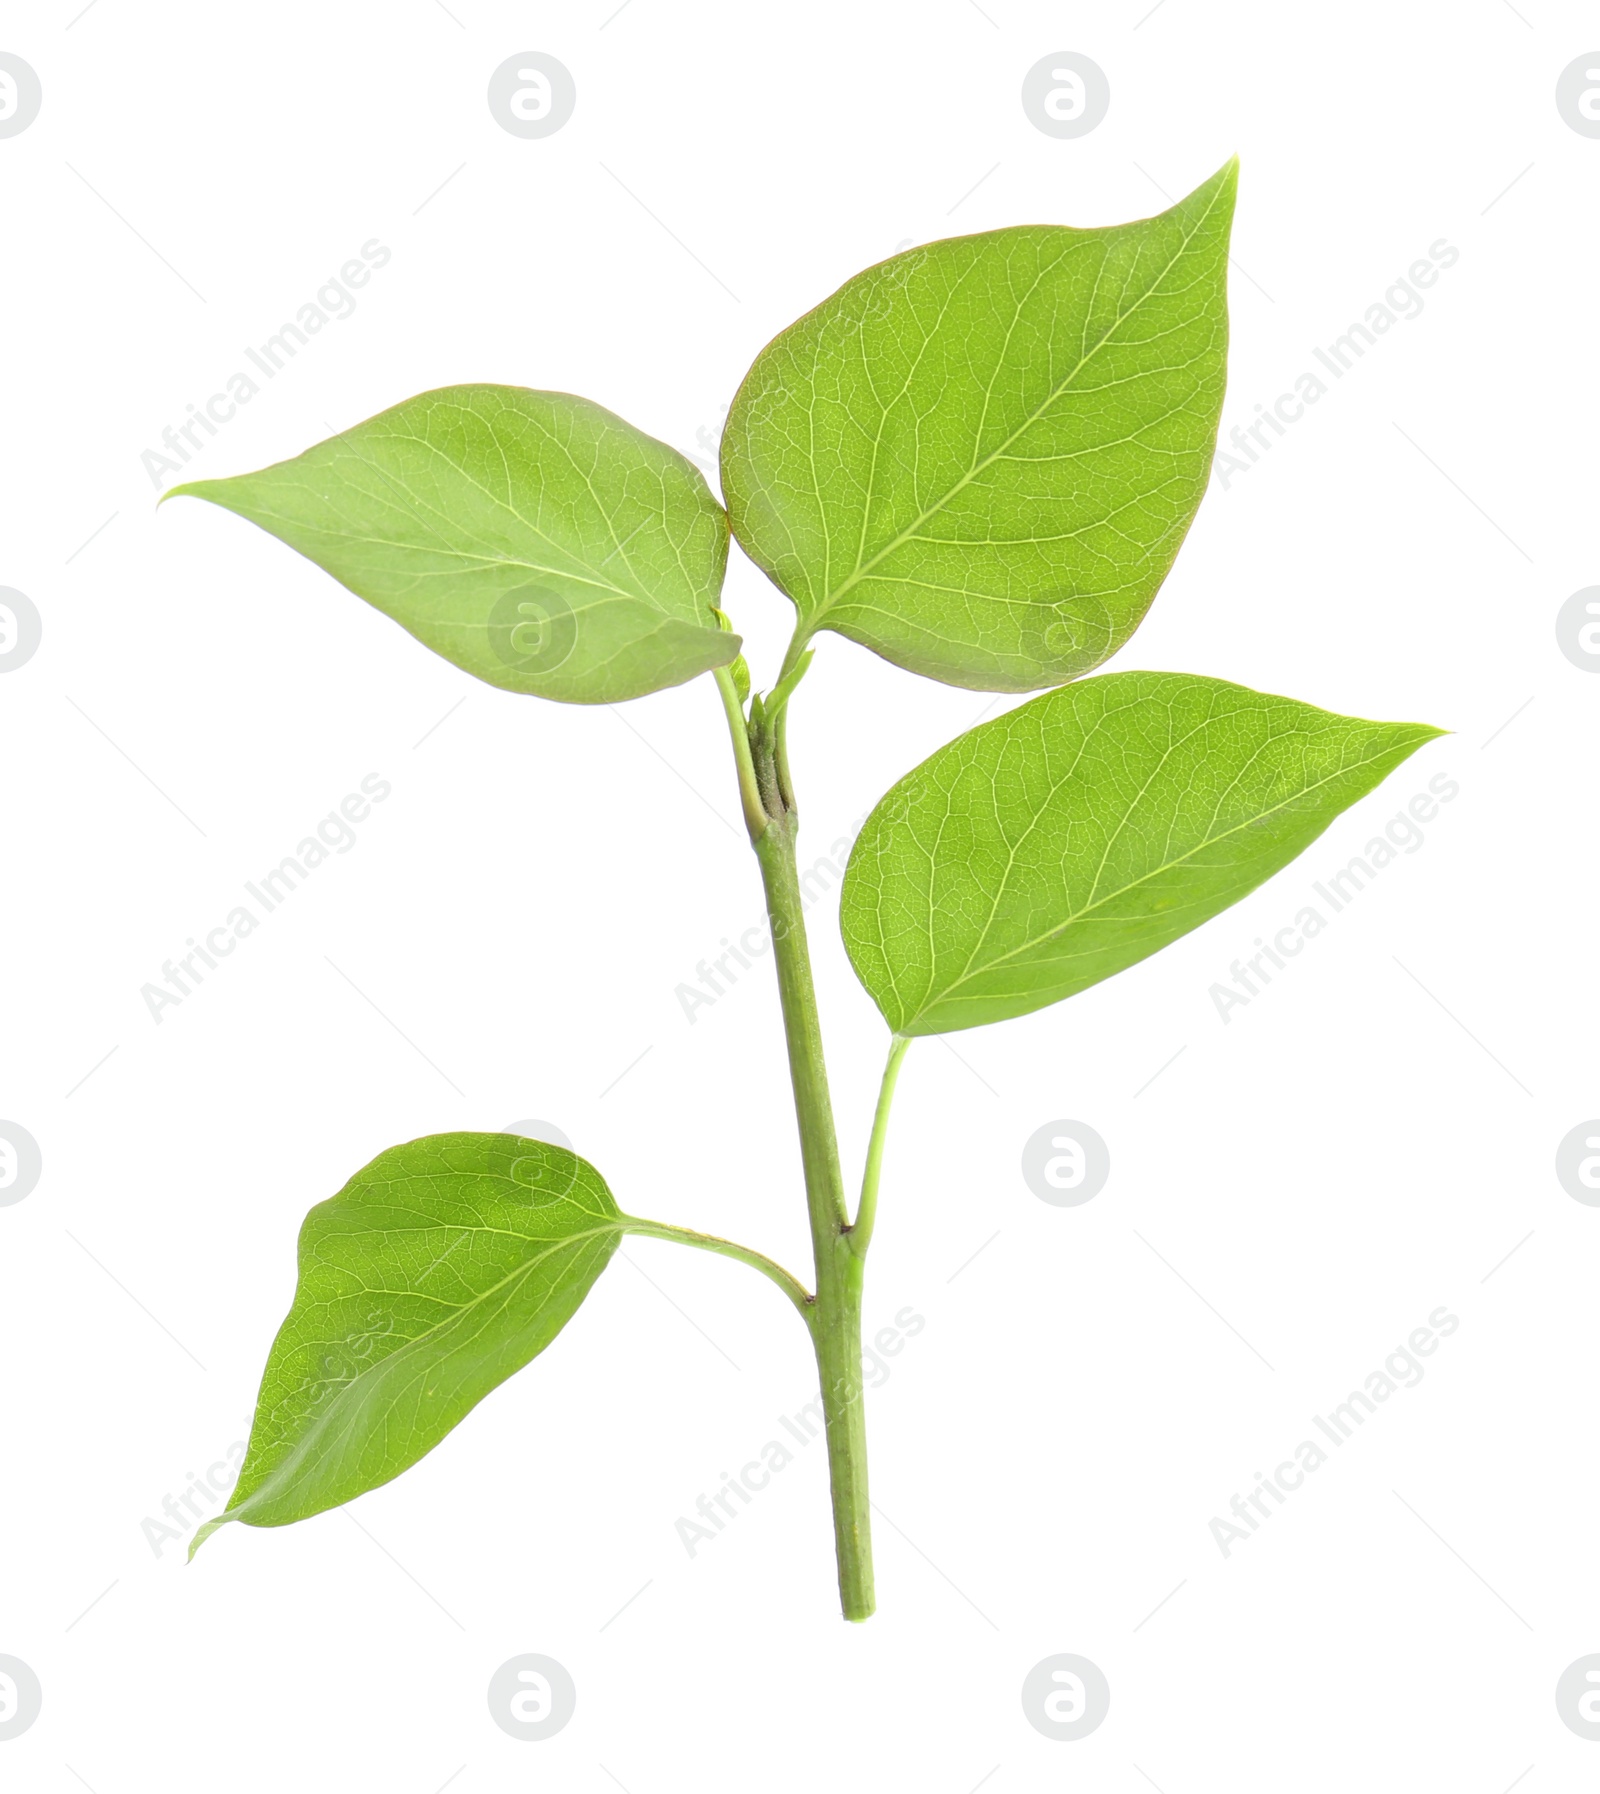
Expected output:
(1225, 182)
(205, 1533)
(188, 489)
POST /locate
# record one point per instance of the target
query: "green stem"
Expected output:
(791, 1286)
(836, 1314)
(819, 1148)
(860, 1235)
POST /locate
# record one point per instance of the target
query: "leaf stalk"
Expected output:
(860, 1234)
(791, 1285)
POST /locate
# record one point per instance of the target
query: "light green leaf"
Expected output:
(532, 538)
(1082, 832)
(436, 1272)
(979, 458)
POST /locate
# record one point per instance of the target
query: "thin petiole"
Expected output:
(780, 693)
(791, 1286)
(860, 1234)
(775, 715)
(755, 811)
(797, 651)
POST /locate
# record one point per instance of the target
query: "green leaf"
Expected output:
(1082, 832)
(979, 458)
(532, 538)
(435, 1273)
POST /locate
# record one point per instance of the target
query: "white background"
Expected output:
(1299, 1188)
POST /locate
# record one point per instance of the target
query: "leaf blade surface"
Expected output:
(1078, 834)
(441, 1269)
(979, 458)
(534, 539)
